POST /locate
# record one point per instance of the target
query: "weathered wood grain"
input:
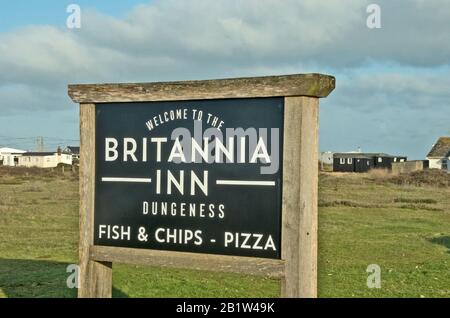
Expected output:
(314, 85)
(95, 278)
(208, 262)
(299, 207)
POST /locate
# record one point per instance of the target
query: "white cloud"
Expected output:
(191, 39)
(398, 111)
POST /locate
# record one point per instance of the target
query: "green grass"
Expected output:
(404, 229)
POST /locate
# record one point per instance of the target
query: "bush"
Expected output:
(428, 177)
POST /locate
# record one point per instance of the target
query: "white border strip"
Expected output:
(131, 180)
(246, 183)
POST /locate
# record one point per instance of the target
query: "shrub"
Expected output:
(428, 177)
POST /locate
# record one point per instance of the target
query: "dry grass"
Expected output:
(414, 191)
(380, 174)
(17, 175)
(419, 200)
(348, 203)
(428, 177)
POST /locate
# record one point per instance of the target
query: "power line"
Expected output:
(34, 138)
(39, 143)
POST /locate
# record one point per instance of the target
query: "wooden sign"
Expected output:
(213, 175)
(193, 176)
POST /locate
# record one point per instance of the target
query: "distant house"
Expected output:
(74, 151)
(9, 156)
(439, 155)
(363, 162)
(44, 159)
(326, 157)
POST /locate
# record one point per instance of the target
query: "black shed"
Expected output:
(384, 161)
(363, 162)
(352, 162)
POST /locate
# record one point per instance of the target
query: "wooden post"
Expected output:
(300, 184)
(95, 278)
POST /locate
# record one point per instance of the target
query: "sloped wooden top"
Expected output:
(441, 149)
(313, 85)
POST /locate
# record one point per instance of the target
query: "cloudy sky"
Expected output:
(393, 83)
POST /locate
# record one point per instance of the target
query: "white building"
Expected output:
(9, 156)
(75, 152)
(44, 159)
(326, 157)
(439, 155)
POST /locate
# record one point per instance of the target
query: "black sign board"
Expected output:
(193, 176)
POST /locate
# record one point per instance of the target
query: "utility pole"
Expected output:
(40, 144)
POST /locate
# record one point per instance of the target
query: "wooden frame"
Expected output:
(298, 266)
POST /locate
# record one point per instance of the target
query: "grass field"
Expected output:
(363, 219)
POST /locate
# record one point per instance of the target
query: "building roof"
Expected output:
(73, 150)
(38, 154)
(7, 150)
(367, 155)
(440, 149)
(352, 155)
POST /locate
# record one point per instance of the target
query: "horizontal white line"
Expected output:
(246, 183)
(138, 180)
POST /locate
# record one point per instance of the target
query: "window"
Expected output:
(349, 161)
(395, 159)
(380, 159)
(342, 161)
